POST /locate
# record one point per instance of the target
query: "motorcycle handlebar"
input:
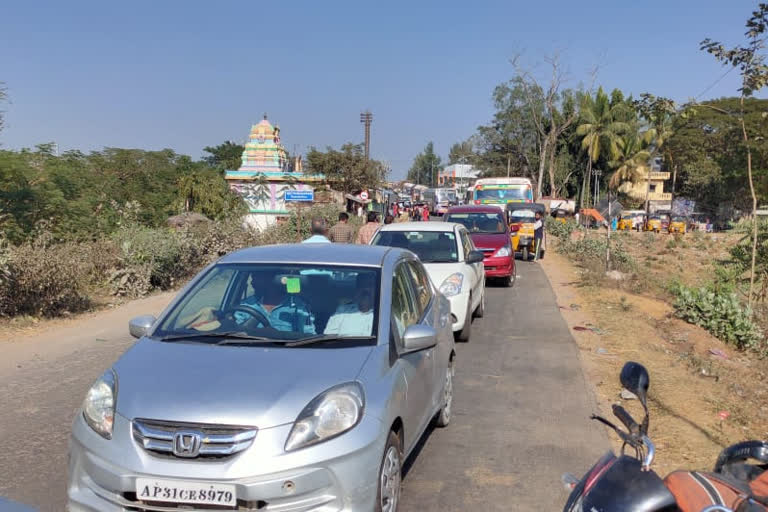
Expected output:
(626, 419)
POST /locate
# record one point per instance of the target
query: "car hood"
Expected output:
(489, 240)
(439, 271)
(236, 385)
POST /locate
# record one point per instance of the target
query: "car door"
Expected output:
(417, 367)
(477, 270)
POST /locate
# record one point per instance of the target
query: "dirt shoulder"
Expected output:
(694, 376)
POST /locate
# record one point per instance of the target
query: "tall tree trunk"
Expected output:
(586, 183)
(754, 205)
(674, 180)
(542, 164)
(608, 237)
(648, 192)
(553, 189)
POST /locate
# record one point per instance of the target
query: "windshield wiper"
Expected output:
(227, 338)
(323, 338)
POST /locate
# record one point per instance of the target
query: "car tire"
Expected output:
(525, 253)
(444, 415)
(508, 281)
(390, 475)
(480, 311)
(466, 331)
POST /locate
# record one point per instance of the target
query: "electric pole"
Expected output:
(366, 118)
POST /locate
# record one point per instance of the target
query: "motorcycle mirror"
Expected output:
(634, 378)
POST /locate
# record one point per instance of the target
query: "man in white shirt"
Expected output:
(319, 231)
(354, 318)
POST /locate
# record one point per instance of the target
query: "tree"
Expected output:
(426, 166)
(461, 153)
(552, 111)
(750, 60)
(3, 97)
(347, 169)
(630, 163)
(202, 190)
(225, 156)
(599, 128)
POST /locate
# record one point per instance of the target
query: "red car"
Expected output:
(491, 235)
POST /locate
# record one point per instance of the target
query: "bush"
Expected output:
(43, 280)
(587, 251)
(153, 259)
(560, 230)
(719, 313)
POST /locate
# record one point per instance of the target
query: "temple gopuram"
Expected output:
(265, 175)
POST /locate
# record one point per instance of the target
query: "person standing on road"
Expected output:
(365, 234)
(538, 235)
(425, 213)
(342, 232)
(318, 230)
(389, 219)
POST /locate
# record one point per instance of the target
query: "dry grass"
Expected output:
(689, 385)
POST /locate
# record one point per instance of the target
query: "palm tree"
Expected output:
(599, 129)
(630, 163)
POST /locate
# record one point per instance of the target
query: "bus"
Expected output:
(440, 199)
(500, 191)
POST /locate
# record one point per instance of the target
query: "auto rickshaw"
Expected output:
(520, 217)
(677, 224)
(626, 222)
(653, 224)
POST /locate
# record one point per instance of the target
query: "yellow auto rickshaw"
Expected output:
(653, 224)
(520, 217)
(678, 224)
(626, 222)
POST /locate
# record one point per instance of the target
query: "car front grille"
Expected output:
(191, 440)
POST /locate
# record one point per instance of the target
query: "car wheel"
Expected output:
(390, 475)
(508, 281)
(480, 311)
(444, 416)
(525, 253)
(466, 331)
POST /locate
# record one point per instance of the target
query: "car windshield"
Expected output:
(516, 216)
(479, 222)
(505, 194)
(429, 246)
(278, 302)
(678, 219)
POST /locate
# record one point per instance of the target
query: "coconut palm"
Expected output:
(599, 128)
(630, 164)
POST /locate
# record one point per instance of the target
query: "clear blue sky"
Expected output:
(184, 75)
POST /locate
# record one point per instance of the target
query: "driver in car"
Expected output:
(354, 318)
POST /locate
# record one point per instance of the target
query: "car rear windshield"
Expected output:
(430, 246)
(479, 222)
(278, 301)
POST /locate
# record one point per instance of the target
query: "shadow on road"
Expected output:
(408, 464)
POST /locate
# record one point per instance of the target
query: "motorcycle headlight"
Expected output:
(99, 404)
(504, 251)
(328, 415)
(452, 284)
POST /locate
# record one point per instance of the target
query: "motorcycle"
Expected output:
(626, 483)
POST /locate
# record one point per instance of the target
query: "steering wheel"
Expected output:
(254, 313)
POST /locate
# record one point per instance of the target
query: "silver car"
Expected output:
(290, 378)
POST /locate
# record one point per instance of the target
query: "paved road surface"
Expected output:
(520, 414)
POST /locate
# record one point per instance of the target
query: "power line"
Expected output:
(715, 83)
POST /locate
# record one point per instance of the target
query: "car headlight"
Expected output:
(99, 404)
(452, 284)
(504, 251)
(328, 415)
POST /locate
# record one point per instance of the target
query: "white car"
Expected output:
(452, 262)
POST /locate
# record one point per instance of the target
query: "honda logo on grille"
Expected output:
(187, 444)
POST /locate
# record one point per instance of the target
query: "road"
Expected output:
(520, 420)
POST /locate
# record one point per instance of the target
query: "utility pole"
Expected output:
(366, 118)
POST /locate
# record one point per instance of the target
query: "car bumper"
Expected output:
(459, 310)
(499, 266)
(337, 475)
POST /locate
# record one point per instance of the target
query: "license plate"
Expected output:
(179, 491)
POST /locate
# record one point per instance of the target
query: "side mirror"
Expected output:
(419, 337)
(634, 378)
(140, 325)
(475, 257)
(514, 228)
